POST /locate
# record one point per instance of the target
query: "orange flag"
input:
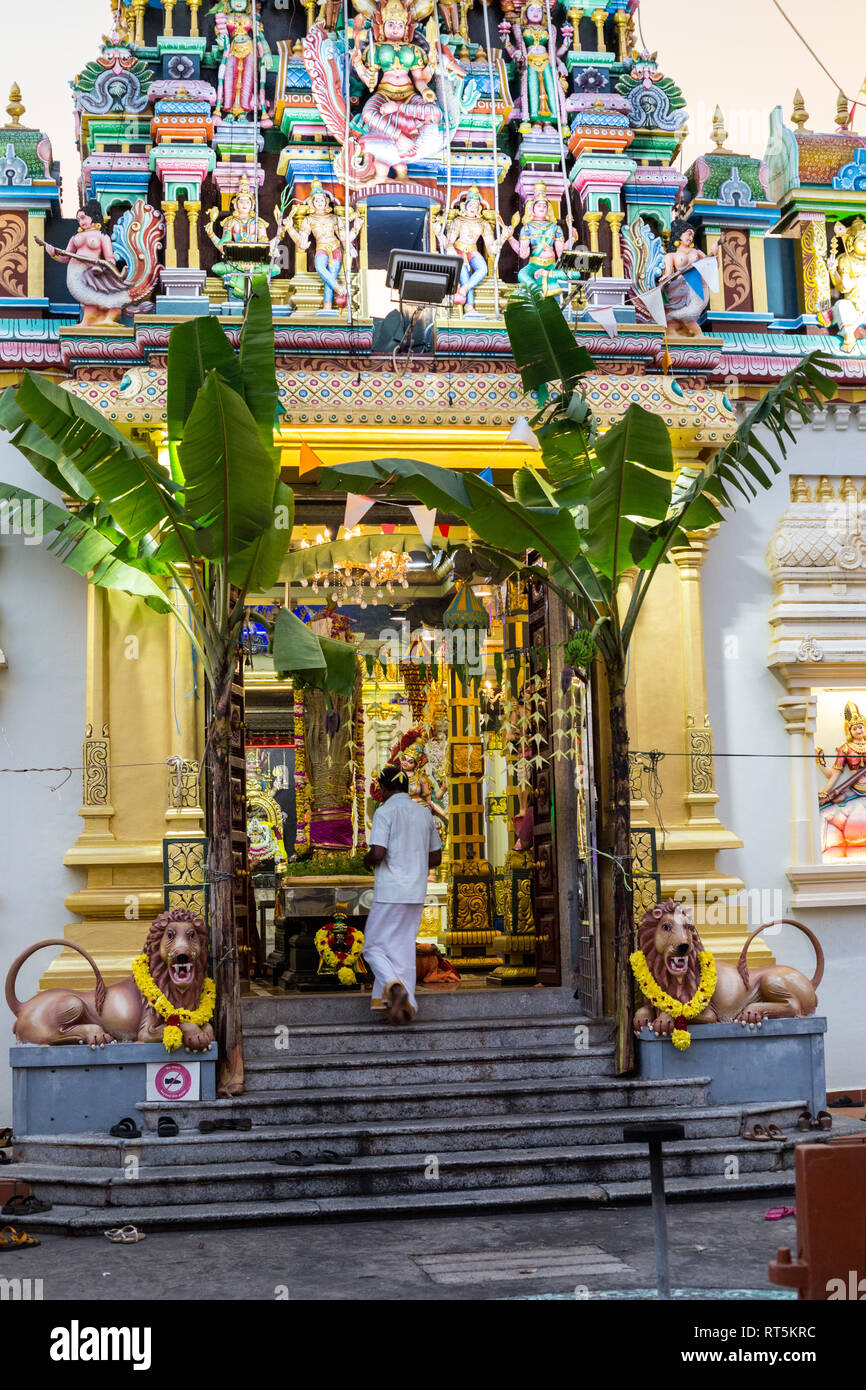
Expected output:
(309, 461)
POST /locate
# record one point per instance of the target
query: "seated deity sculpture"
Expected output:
(540, 243)
(848, 277)
(322, 222)
(843, 799)
(243, 241)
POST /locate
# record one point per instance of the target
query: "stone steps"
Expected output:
(281, 1040)
(75, 1220)
(422, 1069)
(335, 1105)
(399, 1174)
(495, 1132)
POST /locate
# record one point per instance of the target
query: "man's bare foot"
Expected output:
(399, 1008)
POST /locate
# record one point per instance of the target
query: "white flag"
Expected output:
(607, 319)
(708, 269)
(654, 303)
(425, 520)
(356, 507)
(521, 432)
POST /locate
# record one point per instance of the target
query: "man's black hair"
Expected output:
(393, 779)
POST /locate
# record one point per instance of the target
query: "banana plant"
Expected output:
(192, 537)
(601, 505)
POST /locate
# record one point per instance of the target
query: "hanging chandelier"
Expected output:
(351, 582)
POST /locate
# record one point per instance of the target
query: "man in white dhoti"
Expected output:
(404, 847)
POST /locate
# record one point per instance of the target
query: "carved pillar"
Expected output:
(615, 221)
(168, 22)
(170, 213)
(35, 254)
(138, 9)
(758, 262)
(193, 6)
(471, 909)
(620, 19)
(575, 15)
(598, 18)
(592, 220)
(717, 297)
(96, 809)
(798, 712)
(194, 258)
(812, 273)
(701, 797)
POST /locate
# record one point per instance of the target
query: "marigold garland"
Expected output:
(680, 1012)
(174, 1016)
(341, 961)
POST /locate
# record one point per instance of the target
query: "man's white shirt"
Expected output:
(407, 830)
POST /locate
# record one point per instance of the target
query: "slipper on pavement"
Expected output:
(778, 1213)
(25, 1206)
(125, 1129)
(331, 1156)
(166, 1127)
(294, 1159)
(10, 1239)
(125, 1235)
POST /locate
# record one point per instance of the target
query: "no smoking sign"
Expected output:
(173, 1081)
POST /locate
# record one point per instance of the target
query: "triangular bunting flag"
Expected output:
(708, 269)
(308, 461)
(654, 303)
(356, 506)
(444, 529)
(486, 476)
(388, 528)
(521, 432)
(607, 319)
(425, 520)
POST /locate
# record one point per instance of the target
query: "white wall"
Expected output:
(42, 632)
(755, 792)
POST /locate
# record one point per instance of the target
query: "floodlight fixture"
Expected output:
(423, 277)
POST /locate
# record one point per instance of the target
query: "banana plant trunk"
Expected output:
(623, 907)
(229, 1032)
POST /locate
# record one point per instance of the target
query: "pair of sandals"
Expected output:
(241, 1122)
(295, 1159)
(124, 1235)
(166, 1128)
(823, 1120)
(765, 1134)
(25, 1206)
(10, 1239)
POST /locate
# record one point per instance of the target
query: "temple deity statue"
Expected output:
(843, 799)
(413, 84)
(323, 223)
(532, 47)
(688, 276)
(243, 241)
(239, 38)
(468, 223)
(110, 273)
(848, 276)
(540, 243)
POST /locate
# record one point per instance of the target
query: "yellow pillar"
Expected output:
(35, 255)
(620, 19)
(168, 22)
(592, 220)
(170, 212)
(138, 9)
(812, 273)
(575, 15)
(193, 6)
(717, 297)
(758, 263)
(192, 212)
(598, 18)
(615, 220)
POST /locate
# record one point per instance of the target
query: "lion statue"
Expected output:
(176, 950)
(668, 938)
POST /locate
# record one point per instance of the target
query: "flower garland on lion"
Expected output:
(680, 1011)
(172, 1014)
(344, 960)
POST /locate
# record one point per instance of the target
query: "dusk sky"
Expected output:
(740, 54)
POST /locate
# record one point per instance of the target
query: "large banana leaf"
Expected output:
(624, 491)
(543, 343)
(257, 367)
(493, 516)
(229, 476)
(196, 348)
(320, 662)
(81, 445)
(85, 549)
(259, 565)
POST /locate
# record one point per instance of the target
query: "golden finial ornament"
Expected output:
(719, 134)
(843, 112)
(15, 109)
(799, 115)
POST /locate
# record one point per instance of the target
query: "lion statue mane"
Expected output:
(176, 949)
